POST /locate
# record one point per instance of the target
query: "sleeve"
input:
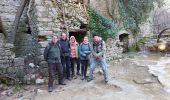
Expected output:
(93, 52)
(90, 48)
(60, 49)
(80, 50)
(46, 52)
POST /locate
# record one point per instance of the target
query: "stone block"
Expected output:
(44, 29)
(43, 15)
(45, 33)
(39, 81)
(42, 51)
(41, 57)
(43, 64)
(44, 19)
(43, 43)
(38, 2)
(18, 62)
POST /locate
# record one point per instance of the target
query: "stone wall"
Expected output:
(113, 49)
(46, 20)
(6, 56)
(8, 9)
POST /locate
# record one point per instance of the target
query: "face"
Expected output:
(96, 38)
(72, 39)
(86, 39)
(63, 36)
(54, 39)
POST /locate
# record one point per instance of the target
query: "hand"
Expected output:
(98, 58)
(84, 54)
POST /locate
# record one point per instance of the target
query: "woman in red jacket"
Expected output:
(74, 55)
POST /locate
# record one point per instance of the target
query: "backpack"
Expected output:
(58, 45)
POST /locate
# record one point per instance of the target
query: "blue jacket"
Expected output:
(65, 47)
(85, 50)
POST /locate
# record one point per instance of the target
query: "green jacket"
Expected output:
(52, 53)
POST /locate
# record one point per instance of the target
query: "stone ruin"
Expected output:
(34, 34)
(113, 49)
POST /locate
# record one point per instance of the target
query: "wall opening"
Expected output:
(125, 40)
(78, 34)
(1, 26)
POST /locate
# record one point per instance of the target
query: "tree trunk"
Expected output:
(11, 38)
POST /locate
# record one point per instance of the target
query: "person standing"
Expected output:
(52, 56)
(85, 51)
(98, 57)
(65, 55)
(74, 54)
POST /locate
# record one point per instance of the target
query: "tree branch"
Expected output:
(11, 39)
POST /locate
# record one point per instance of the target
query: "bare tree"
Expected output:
(15, 25)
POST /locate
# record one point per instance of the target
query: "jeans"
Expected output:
(65, 60)
(73, 60)
(52, 68)
(102, 64)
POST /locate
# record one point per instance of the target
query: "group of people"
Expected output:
(62, 55)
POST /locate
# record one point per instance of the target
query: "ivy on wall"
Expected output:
(98, 23)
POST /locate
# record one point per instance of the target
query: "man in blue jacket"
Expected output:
(65, 55)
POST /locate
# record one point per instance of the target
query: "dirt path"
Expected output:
(129, 80)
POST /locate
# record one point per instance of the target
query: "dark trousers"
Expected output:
(52, 68)
(66, 66)
(84, 64)
(73, 60)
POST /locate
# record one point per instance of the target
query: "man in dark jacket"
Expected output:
(52, 56)
(65, 55)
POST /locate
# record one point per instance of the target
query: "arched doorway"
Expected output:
(125, 40)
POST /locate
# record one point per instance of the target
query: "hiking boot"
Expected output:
(106, 81)
(78, 73)
(62, 83)
(82, 78)
(50, 89)
(69, 78)
(72, 75)
(89, 79)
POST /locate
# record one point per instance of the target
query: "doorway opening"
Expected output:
(79, 33)
(125, 40)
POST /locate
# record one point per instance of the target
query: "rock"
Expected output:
(39, 81)
(31, 65)
(43, 64)
(19, 62)
(43, 44)
(100, 72)
(9, 93)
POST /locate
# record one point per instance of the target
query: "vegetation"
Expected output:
(134, 12)
(98, 23)
(136, 45)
